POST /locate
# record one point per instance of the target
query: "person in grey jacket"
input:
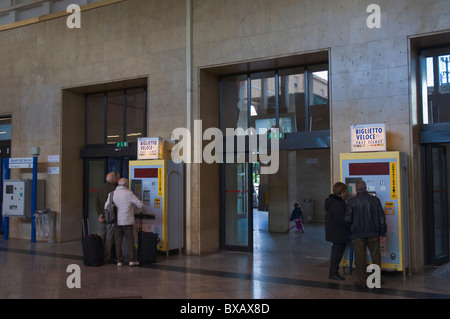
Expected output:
(365, 213)
(126, 202)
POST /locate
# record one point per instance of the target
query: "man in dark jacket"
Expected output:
(337, 230)
(368, 220)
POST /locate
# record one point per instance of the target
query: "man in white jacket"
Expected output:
(126, 202)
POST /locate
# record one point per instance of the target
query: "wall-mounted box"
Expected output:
(17, 197)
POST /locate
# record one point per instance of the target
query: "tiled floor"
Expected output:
(281, 266)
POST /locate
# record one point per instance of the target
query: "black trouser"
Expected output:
(337, 251)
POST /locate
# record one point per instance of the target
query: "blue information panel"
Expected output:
(385, 176)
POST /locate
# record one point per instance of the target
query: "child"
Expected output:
(297, 216)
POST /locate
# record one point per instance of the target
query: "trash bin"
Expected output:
(44, 223)
(308, 210)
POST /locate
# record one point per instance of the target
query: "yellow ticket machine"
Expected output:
(159, 184)
(385, 174)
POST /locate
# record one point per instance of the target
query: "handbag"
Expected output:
(111, 211)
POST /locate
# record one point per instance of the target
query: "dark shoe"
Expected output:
(336, 277)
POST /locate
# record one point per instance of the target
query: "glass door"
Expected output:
(95, 176)
(437, 205)
(237, 217)
(119, 164)
(95, 173)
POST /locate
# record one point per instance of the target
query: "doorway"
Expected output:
(237, 207)
(95, 174)
(437, 227)
(252, 203)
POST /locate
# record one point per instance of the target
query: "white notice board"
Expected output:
(368, 137)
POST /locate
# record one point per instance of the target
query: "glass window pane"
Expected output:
(234, 102)
(427, 90)
(436, 89)
(96, 178)
(5, 128)
(292, 100)
(439, 204)
(263, 110)
(135, 114)
(430, 73)
(444, 74)
(115, 117)
(292, 97)
(95, 118)
(319, 113)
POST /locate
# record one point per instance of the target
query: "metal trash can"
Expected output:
(308, 210)
(44, 222)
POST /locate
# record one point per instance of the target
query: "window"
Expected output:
(95, 119)
(291, 97)
(5, 136)
(5, 128)
(136, 119)
(235, 102)
(115, 116)
(263, 104)
(278, 99)
(435, 74)
(318, 107)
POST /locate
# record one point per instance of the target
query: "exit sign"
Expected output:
(275, 135)
(122, 144)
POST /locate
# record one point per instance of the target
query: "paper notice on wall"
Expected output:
(53, 170)
(53, 158)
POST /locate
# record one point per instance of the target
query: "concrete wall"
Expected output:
(45, 69)
(369, 79)
(369, 68)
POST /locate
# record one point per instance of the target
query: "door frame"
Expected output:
(107, 163)
(223, 211)
(86, 182)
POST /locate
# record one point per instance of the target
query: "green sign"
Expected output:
(275, 135)
(122, 144)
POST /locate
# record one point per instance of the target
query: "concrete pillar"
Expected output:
(279, 202)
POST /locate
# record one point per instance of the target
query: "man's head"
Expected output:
(360, 186)
(111, 178)
(339, 189)
(123, 182)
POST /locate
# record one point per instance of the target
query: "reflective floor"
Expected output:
(282, 266)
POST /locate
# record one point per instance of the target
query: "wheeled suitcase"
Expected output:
(147, 250)
(93, 254)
